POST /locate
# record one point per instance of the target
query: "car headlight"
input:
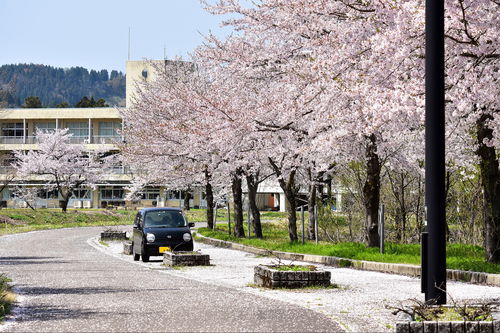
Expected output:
(186, 237)
(150, 238)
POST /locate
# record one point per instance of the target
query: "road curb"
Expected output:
(401, 269)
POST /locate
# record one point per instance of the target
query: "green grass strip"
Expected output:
(459, 256)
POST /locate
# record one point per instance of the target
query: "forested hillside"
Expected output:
(56, 86)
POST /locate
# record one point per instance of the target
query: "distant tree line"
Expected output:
(59, 87)
(34, 102)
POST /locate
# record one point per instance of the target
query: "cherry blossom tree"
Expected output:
(26, 194)
(368, 58)
(64, 166)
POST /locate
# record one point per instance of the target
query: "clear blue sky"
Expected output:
(94, 33)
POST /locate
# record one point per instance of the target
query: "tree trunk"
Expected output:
(490, 181)
(238, 205)
(291, 207)
(187, 197)
(311, 203)
(65, 202)
(210, 201)
(290, 191)
(329, 191)
(371, 192)
(252, 185)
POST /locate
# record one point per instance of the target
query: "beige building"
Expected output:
(93, 127)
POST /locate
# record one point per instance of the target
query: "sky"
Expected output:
(94, 33)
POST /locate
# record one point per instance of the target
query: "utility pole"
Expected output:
(435, 151)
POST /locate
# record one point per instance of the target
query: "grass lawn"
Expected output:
(15, 220)
(6, 297)
(25, 219)
(200, 215)
(459, 256)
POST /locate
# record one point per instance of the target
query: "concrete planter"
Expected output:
(409, 326)
(186, 258)
(112, 235)
(127, 247)
(267, 276)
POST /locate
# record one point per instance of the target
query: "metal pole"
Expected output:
(228, 217)
(435, 150)
(316, 223)
(248, 218)
(381, 227)
(424, 261)
(302, 219)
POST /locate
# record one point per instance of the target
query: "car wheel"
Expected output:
(144, 255)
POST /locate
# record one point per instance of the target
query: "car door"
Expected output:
(137, 233)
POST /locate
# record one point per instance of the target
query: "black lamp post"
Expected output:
(435, 153)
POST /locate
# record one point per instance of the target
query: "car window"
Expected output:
(164, 218)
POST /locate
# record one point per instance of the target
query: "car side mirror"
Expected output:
(191, 224)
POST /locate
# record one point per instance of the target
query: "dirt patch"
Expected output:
(111, 213)
(8, 220)
(103, 212)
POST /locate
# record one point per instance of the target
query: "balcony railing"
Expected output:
(96, 139)
(106, 139)
(117, 170)
(4, 170)
(11, 140)
(120, 170)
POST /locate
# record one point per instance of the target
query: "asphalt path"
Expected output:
(66, 285)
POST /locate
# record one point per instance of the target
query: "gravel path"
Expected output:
(358, 304)
(66, 285)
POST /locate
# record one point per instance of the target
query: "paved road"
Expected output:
(66, 285)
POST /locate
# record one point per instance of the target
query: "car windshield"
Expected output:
(164, 218)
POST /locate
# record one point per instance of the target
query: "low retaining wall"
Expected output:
(402, 269)
(111, 235)
(127, 247)
(186, 259)
(268, 277)
(448, 327)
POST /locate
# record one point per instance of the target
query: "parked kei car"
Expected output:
(157, 230)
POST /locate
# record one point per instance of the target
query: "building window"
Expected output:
(46, 126)
(12, 129)
(112, 194)
(150, 194)
(81, 193)
(45, 194)
(109, 128)
(174, 195)
(79, 129)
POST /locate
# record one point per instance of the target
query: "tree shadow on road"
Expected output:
(70, 291)
(47, 312)
(30, 260)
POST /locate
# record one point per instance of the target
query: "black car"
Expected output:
(157, 230)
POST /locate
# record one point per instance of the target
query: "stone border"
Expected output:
(127, 247)
(448, 326)
(113, 235)
(401, 269)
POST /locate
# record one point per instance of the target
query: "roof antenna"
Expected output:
(164, 51)
(128, 43)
